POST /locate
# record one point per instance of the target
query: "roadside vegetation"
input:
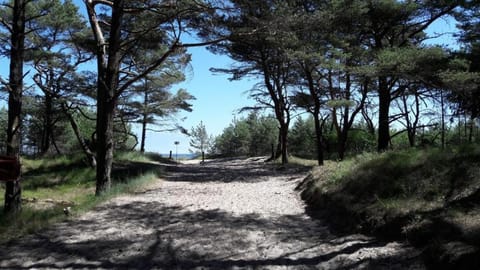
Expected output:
(429, 197)
(333, 80)
(51, 185)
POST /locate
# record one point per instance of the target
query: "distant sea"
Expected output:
(180, 156)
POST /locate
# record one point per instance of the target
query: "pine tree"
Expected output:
(200, 140)
(121, 30)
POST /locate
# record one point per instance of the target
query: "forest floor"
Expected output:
(223, 214)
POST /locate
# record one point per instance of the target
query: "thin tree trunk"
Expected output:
(318, 138)
(144, 134)
(47, 125)
(443, 120)
(54, 143)
(144, 121)
(346, 123)
(13, 189)
(342, 144)
(83, 144)
(470, 130)
(383, 115)
(316, 114)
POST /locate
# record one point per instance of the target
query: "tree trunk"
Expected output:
(470, 130)
(316, 114)
(83, 144)
(383, 114)
(342, 144)
(443, 120)
(13, 190)
(411, 133)
(144, 134)
(278, 151)
(105, 114)
(318, 138)
(47, 125)
(106, 100)
(144, 121)
(54, 143)
(368, 122)
(284, 142)
(410, 126)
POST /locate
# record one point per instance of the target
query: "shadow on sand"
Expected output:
(171, 238)
(149, 234)
(233, 170)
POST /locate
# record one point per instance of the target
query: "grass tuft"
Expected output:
(49, 185)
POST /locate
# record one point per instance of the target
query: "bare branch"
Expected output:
(6, 84)
(201, 44)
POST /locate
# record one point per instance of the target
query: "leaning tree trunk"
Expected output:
(13, 190)
(83, 144)
(383, 115)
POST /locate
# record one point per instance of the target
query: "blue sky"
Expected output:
(217, 98)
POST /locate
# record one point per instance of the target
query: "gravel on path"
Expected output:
(222, 214)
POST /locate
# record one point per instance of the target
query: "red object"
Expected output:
(9, 168)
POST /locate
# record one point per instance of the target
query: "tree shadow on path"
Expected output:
(151, 232)
(233, 170)
(151, 235)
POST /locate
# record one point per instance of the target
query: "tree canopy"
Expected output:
(359, 69)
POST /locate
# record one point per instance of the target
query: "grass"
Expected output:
(423, 195)
(383, 179)
(49, 185)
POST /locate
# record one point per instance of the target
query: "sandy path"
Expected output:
(231, 214)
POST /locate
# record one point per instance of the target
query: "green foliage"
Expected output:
(339, 103)
(234, 140)
(251, 136)
(302, 138)
(412, 62)
(86, 125)
(151, 101)
(200, 140)
(360, 140)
